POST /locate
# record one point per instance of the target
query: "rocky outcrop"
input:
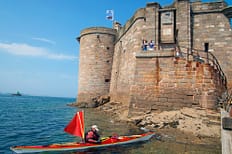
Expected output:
(96, 101)
(200, 122)
(195, 120)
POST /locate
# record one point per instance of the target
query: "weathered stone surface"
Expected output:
(186, 119)
(86, 105)
(112, 62)
(200, 122)
(101, 100)
(95, 62)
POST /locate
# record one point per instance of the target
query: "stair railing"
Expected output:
(204, 57)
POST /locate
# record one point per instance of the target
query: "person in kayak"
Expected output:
(92, 135)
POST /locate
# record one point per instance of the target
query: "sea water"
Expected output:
(33, 120)
(30, 120)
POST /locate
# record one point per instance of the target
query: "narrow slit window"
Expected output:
(107, 80)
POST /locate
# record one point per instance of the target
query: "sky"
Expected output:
(38, 47)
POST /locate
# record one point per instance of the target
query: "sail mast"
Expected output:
(76, 125)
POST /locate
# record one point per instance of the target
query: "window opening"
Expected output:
(107, 80)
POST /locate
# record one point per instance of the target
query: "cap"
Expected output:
(95, 127)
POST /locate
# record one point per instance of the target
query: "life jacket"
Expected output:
(91, 135)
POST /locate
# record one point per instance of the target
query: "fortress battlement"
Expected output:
(97, 30)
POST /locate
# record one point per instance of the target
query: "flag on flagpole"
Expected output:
(76, 125)
(110, 15)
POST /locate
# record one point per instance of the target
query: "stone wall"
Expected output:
(183, 22)
(113, 62)
(129, 41)
(123, 64)
(163, 82)
(95, 63)
(141, 26)
(212, 27)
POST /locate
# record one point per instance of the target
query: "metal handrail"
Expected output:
(211, 59)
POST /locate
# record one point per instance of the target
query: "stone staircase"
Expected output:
(219, 77)
(167, 80)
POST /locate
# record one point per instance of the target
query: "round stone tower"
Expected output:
(95, 62)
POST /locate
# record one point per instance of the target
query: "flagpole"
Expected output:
(112, 19)
(76, 125)
(110, 16)
(83, 139)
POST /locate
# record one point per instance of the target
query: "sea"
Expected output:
(36, 120)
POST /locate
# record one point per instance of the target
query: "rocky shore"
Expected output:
(199, 125)
(199, 122)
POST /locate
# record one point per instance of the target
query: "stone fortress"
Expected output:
(189, 65)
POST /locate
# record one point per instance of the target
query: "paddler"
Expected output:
(92, 135)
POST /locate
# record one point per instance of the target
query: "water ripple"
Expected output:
(29, 120)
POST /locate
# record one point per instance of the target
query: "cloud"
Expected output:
(29, 50)
(44, 40)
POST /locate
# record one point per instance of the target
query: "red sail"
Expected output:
(76, 126)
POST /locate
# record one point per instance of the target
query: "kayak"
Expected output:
(76, 128)
(75, 146)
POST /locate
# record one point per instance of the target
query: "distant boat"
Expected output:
(17, 94)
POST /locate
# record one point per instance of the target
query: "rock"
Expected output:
(86, 105)
(96, 101)
(144, 129)
(193, 113)
(230, 110)
(101, 100)
(197, 121)
(74, 104)
(174, 124)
